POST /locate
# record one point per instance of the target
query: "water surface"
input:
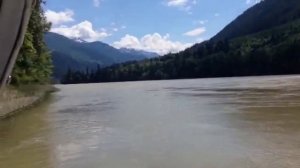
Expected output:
(205, 123)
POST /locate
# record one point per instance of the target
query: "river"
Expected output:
(204, 123)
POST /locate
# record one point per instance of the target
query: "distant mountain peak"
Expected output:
(78, 54)
(142, 52)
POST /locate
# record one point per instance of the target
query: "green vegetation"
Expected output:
(274, 51)
(263, 16)
(34, 65)
(264, 40)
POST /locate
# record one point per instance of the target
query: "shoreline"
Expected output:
(16, 100)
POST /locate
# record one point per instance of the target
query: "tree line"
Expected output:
(275, 51)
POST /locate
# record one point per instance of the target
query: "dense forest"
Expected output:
(264, 40)
(264, 15)
(276, 51)
(34, 65)
(267, 45)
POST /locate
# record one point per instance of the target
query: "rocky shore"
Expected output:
(14, 100)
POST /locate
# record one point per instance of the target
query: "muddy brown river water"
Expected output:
(204, 123)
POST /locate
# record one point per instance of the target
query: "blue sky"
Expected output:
(160, 26)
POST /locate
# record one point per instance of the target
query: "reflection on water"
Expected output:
(219, 123)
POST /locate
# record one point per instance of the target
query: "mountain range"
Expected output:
(77, 54)
(264, 40)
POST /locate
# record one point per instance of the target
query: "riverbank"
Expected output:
(14, 100)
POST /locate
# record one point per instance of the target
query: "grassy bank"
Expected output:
(16, 99)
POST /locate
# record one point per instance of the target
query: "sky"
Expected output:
(161, 26)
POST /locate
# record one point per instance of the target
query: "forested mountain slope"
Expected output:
(264, 15)
(239, 50)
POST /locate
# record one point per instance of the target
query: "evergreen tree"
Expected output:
(34, 65)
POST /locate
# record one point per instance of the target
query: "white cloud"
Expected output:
(185, 5)
(83, 30)
(177, 2)
(96, 3)
(195, 32)
(249, 2)
(152, 43)
(128, 41)
(57, 18)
